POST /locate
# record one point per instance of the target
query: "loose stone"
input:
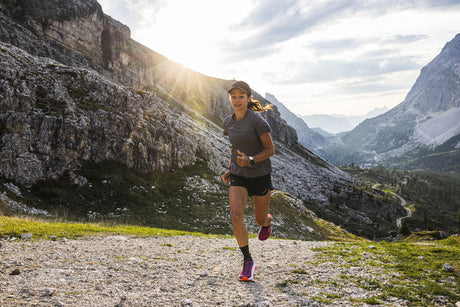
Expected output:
(448, 268)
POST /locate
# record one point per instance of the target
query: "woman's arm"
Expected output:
(269, 148)
(226, 176)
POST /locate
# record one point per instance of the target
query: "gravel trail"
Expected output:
(172, 271)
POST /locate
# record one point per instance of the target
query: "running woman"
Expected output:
(250, 169)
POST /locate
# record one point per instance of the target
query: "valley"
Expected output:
(432, 198)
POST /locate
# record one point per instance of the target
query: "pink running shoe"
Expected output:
(264, 232)
(249, 267)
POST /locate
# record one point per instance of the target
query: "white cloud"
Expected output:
(137, 14)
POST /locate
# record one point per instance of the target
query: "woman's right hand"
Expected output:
(226, 177)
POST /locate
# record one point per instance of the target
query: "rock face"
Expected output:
(75, 88)
(423, 131)
(54, 117)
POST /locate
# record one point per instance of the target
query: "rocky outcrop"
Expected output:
(78, 33)
(54, 117)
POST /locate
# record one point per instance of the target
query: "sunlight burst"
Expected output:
(189, 33)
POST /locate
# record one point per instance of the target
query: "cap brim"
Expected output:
(237, 87)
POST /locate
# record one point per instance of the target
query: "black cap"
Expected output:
(242, 86)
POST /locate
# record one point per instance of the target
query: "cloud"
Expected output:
(135, 14)
(231, 54)
(404, 39)
(335, 70)
(331, 46)
(373, 85)
(273, 22)
(441, 3)
(349, 59)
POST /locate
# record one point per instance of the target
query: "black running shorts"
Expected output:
(258, 186)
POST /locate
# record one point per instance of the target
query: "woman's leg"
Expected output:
(238, 197)
(261, 206)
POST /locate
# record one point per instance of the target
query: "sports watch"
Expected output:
(251, 161)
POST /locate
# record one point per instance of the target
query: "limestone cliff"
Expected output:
(54, 117)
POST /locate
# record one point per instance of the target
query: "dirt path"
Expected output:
(409, 212)
(403, 203)
(174, 271)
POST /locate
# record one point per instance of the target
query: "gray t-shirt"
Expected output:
(244, 135)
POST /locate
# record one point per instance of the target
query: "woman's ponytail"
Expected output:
(256, 106)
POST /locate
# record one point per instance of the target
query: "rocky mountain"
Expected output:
(94, 124)
(340, 123)
(306, 136)
(421, 132)
(329, 123)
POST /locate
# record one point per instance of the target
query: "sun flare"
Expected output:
(189, 33)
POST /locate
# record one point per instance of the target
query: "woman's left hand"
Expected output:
(242, 159)
(226, 177)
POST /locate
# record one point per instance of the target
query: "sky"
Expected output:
(315, 56)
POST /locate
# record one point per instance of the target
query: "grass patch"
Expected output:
(372, 301)
(299, 271)
(415, 269)
(15, 226)
(321, 299)
(285, 283)
(325, 298)
(332, 296)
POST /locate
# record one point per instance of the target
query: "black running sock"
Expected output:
(246, 253)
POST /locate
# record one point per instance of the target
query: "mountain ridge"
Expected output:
(337, 123)
(306, 136)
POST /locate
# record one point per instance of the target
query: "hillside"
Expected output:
(94, 125)
(432, 197)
